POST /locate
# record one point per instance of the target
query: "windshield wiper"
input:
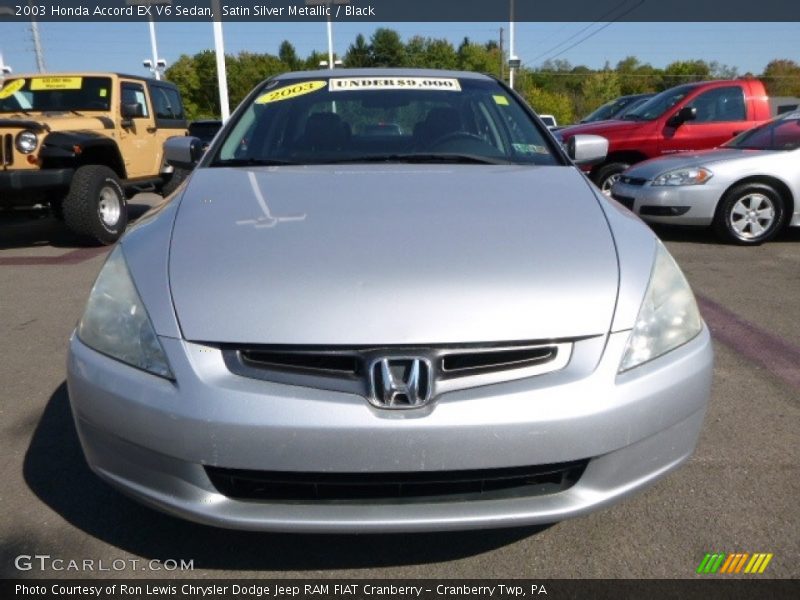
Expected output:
(250, 162)
(420, 158)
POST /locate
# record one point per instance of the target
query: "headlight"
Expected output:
(690, 176)
(668, 316)
(116, 323)
(26, 142)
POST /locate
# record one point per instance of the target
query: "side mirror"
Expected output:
(183, 152)
(687, 113)
(587, 149)
(132, 111)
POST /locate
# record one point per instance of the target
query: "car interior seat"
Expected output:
(325, 131)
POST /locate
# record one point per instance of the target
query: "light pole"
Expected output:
(513, 61)
(222, 74)
(331, 63)
(4, 68)
(156, 65)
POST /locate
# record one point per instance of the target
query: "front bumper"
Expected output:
(701, 201)
(152, 438)
(34, 179)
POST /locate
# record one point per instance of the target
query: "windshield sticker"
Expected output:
(395, 83)
(530, 149)
(501, 100)
(12, 88)
(291, 91)
(103, 92)
(56, 83)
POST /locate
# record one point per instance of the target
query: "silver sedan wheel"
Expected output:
(608, 182)
(752, 216)
(109, 206)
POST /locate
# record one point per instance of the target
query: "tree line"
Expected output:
(555, 87)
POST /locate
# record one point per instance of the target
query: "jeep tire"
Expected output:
(95, 206)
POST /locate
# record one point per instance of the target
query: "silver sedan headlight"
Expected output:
(116, 323)
(668, 316)
(26, 141)
(686, 176)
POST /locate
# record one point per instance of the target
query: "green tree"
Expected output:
(782, 77)
(288, 55)
(247, 70)
(387, 49)
(685, 71)
(475, 57)
(549, 103)
(358, 54)
(597, 89)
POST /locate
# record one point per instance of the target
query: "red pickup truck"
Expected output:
(694, 116)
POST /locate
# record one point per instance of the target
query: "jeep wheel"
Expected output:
(177, 177)
(95, 205)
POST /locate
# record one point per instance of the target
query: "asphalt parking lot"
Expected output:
(740, 492)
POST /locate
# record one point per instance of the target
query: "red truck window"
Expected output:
(719, 105)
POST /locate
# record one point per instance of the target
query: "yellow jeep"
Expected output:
(80, 143)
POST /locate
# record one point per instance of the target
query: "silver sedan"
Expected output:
(747, 190)
(442, 327)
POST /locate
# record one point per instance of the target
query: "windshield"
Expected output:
(781, 134)
(612, 109)
(659, 104)
(384, 118)
(56, 94)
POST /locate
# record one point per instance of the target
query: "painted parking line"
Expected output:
(73, 257)
(771, 352)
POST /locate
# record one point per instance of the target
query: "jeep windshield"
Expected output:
(374, 119)
(55, 94)
(659, 104)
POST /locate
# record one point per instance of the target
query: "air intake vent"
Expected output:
(468, 363)
(422, 486)
(318, 362)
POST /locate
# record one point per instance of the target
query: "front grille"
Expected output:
(632, 180)
(624, 200)
(423, 486)
(7, 150)
(348, 369)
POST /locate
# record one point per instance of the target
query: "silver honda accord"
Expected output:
(748, 190)
(387, 300)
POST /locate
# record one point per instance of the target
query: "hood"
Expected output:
(604, 128)
(395, 254)
(650, 169)
(56, 121)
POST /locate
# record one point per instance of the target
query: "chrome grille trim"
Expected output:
(516, 361)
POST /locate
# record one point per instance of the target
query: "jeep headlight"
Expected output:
(686, 176)
(26, 141)
(116, 323)
(668, 316)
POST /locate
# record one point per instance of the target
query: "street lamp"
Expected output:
(158, 69)
(330, 62)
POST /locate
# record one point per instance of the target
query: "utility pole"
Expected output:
(37, 46)
(511, 56)
(222, 75)
(502, 57)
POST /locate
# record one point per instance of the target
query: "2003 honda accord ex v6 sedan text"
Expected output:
(387, 300)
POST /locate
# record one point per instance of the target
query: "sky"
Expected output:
(123, 46)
